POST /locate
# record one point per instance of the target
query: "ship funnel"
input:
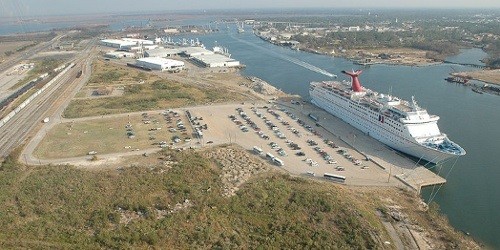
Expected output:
(355, 85)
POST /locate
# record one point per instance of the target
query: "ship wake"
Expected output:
(288, 58)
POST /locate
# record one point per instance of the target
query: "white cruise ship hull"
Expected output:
(380, 131)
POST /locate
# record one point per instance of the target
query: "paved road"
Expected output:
(19, 127)
(56, 110)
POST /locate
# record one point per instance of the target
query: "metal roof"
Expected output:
(161, 52)
(161, 61)
(195, 50)
(213, 58)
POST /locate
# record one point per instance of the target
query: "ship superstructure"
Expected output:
(400, 124)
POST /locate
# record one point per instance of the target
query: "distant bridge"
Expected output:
(467, 64)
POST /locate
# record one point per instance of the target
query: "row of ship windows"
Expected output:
(359, 110)
(394, 127)
(381, 133)
(359, 106)
(388, 121)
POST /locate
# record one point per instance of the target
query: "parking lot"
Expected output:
(116, 134)
(282, 138)
(287, 139)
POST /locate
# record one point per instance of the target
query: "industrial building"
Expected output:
(171, 31)
(162, 52)
(139, 47)
(138, 41)
(195, 51)
(119, 54)
(215, 60)
(128, 43)
(158, 63)
(115, 43)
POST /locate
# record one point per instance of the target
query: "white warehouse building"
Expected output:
(215, 60)
(158, 63)
(114, 43)
(119, 54)
(127, 43)
(139, 47)
(139, 41)
(196, 51)
(162, 52)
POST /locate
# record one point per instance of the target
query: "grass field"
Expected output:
(490, 76)
(8, 48)
(174, 200)
(154, 93)
(106, 135)
(179, 206)
(106, 74)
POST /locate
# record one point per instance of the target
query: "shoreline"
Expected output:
(368, 60)
(487, 76)
(374, 61)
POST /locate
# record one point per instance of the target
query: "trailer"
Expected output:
(334, 177)
(278, 162)
(257, 150)
(313, 117)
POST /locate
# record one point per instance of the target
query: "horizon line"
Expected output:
(249, 10)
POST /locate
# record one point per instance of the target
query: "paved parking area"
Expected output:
(282, 131)
(277, 131)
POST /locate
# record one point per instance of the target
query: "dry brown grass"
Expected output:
(11, 46)
(489, 76)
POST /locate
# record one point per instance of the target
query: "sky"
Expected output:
(10, 8)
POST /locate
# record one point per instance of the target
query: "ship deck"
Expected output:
(369, 101)
(398, 166)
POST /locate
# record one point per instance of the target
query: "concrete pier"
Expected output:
(394, 163)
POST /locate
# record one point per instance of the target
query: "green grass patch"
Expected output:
(106, 135)
(159, 94)
(152, 94)
(66, 207)
(106, 74)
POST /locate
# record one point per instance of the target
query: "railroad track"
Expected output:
(13, 133)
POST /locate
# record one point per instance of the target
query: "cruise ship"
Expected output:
(401, 125)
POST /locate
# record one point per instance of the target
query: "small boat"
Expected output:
(457, 79)
(477, 90)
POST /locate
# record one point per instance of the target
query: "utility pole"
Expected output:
(390, 172)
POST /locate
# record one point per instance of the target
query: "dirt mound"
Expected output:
(260, 86)
(237, 165)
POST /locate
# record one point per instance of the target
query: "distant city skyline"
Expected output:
(12, 8)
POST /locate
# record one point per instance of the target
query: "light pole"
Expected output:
(390, 172)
